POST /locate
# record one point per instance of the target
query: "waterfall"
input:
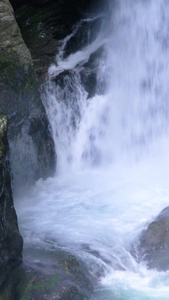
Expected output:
(129, 117)
(108, 105)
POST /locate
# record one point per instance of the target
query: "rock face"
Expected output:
(42, 27)
(30, 142)
(154, 242)
(80, 4)
(10, 238)
(44, 23)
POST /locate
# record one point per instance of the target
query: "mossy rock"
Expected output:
(39, 286)
(25, 283)
(54, 274)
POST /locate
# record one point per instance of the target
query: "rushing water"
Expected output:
(112, 151)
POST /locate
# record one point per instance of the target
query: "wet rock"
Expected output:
(10, 239)
(85, 32)
(89, 73)
(31, 146)
(154, 242)
(59, 275)
(39, 286)
(51, 275)
(44, 24)
(42, 29)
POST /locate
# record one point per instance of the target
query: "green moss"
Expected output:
(38, 286)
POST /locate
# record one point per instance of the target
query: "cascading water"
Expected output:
(111, 149)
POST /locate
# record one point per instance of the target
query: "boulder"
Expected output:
(67, 280)
(153, 245)
(31, 146)
(10, 239)
(59, 276)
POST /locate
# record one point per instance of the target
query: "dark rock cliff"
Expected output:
(44, 23)
(30, 142)
(10, 238)
(80, 5)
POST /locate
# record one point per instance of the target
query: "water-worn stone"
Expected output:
(55, 274)
(10, 239)
(59, 276)
(40, 286)
(30, 142)
(154, 242)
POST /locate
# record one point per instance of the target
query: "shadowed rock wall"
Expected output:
(44, 23)
(31, 146)
(10, 238)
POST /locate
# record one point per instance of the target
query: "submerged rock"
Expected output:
(40, 286)
(10, 239)
(154, 242)
(31, 146)
(52, 275)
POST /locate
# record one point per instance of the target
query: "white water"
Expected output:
(113, 161)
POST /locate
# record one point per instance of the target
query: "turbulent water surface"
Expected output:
(112, 150)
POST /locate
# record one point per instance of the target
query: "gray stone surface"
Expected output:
(30, 142)
(153, 245)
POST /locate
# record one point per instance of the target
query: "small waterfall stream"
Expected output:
(112, 149)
